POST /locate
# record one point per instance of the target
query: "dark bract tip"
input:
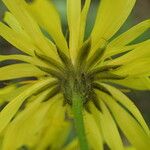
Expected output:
(29, 1)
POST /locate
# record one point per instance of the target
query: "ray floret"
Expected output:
(57, 85)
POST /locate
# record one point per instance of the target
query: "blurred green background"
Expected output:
(140, 12)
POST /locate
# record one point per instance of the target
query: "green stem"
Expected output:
(78, 119)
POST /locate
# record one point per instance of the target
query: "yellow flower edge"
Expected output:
(60, 80)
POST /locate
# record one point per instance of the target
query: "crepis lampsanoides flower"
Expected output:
(63, 79)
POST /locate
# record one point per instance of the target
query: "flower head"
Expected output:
(61, 80)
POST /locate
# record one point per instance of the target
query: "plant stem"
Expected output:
(77, 108)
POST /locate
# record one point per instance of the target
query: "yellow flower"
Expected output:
(60, 81)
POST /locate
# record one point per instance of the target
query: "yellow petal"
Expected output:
(84, 14)
(22, 130)
(131, 34)
(110, 17)
(139, 67)
(17, 39)
(138, 51)
(130, 148)
(14, 24)
(129, 126)
(73, 145)
(93, 133)
(7, 89)
(73, 16)
(10, 110)
(24, 58)
(56, 127)
(141, 83)
(124, 100)
(19, 71)
(12, 94)
(108, 126)
(114, 50)
(18, 9)
(49, 19)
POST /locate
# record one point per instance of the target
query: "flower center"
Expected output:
(81, 77)
(79, 84)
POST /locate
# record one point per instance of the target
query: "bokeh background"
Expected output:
(140, 12)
